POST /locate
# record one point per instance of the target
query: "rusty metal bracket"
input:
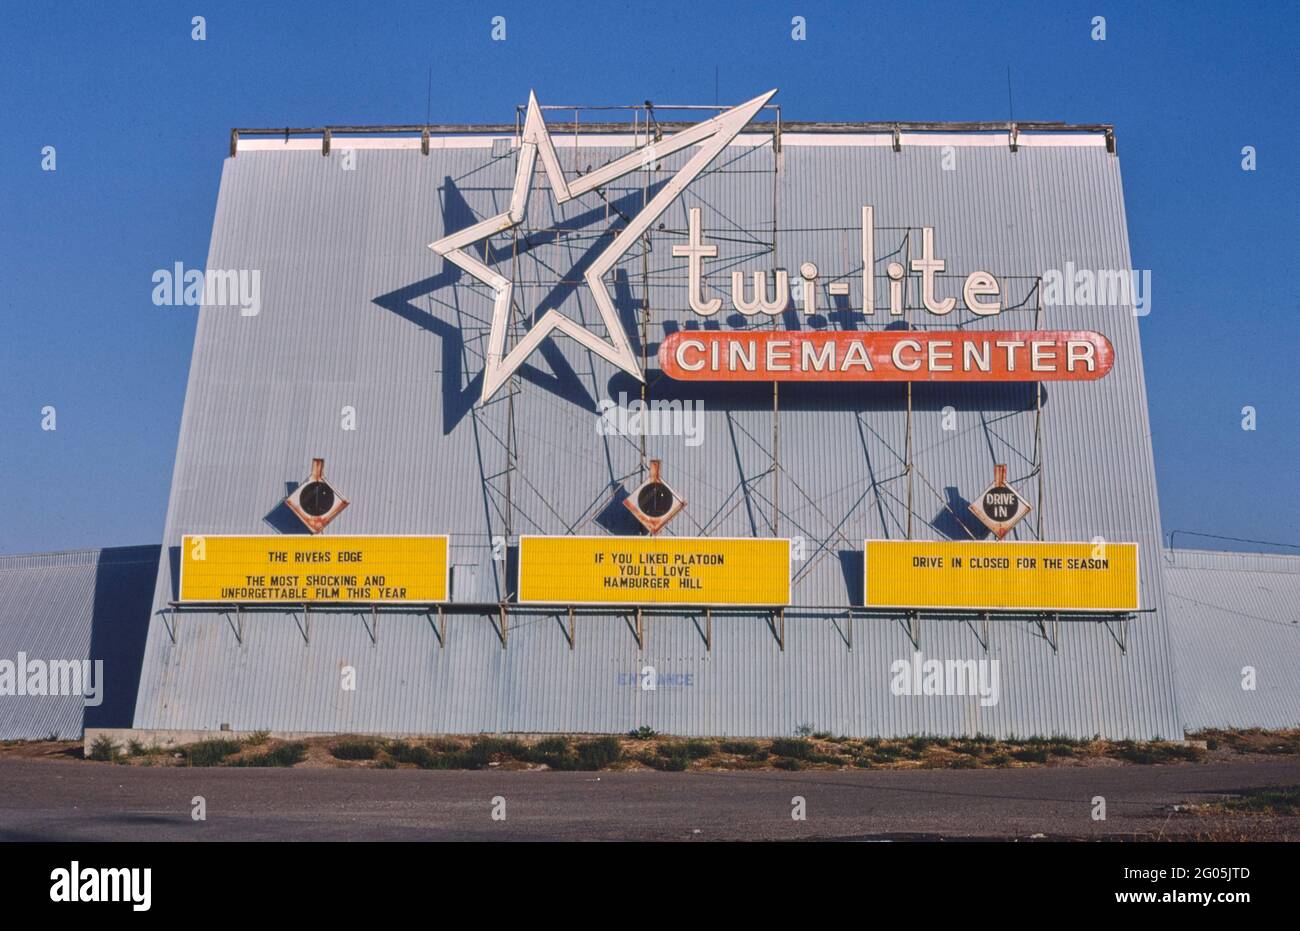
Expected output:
(234, 143)
(424, 141)
(1014, 137)
(325, 142)
(898, 139)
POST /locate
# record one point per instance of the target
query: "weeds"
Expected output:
(288, 754)
(209, 752)
(354, 750)
(103, 749)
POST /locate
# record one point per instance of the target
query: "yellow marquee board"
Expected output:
(1001, 575)
(654, 570)
(252, 569)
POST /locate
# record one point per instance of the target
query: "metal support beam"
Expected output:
(708, 629)
(238, 625)
(1053, 637)
(438, 630)
(1121, 637)
(503, 631)
(304, 626)
(913, 628)
(572, 627)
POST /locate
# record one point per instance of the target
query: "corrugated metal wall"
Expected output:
(357, 312)
(86, 604)
(1232, 611)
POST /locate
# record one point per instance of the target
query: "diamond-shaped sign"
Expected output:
(653, 503)
(316, 501)
(1001, 507)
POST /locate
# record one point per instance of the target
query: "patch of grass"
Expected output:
(821, 735)
(738, 747)
(792, 748)
(1031, 754)
(287, 754)
(643, 733)
(599, 753)
(554, 752)
(1281, 801)
(209, 752)
(698, 749)
(803, 730)
(135, 748)
(1250, 740)
(354, 750)
(487, 750)
(999, 759)
(103, 749)
(671, 758)
(886, 753)
(1148, 754)
(257, 738)
(787, 763)
(445, 745)
(963, 762)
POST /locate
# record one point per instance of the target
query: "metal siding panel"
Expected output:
(1230, 611)
(357, 312)
(85, 604)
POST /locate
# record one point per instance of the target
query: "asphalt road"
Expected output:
(42, 800)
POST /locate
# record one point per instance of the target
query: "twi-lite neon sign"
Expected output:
(772, 355)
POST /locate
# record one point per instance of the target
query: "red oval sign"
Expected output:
(886, 355)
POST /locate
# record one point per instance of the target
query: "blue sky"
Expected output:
(140, 114)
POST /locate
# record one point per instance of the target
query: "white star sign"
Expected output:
(715, 134)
